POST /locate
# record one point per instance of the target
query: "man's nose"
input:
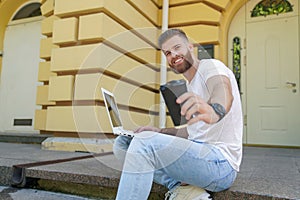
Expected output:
(174, 53)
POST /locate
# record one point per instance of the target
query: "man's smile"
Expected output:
(178, 60)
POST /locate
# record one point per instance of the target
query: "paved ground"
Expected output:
(270, 171)
(8, 193)
(266, 173)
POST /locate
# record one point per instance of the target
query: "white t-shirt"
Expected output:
(227, 134)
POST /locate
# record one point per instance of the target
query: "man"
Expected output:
(204, 154)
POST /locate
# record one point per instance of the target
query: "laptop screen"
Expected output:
(112, 110)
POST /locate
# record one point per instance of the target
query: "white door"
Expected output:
(273, 98)
(19, 77)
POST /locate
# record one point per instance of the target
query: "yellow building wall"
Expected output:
(45, 73)
(96, 43)
(93, 45)
(89, 45)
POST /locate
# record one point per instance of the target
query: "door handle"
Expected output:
(290, 84)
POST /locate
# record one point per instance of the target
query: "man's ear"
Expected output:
(191, 47)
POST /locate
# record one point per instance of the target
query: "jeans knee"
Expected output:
(139, 142)
(120, 147)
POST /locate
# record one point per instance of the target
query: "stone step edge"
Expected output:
(92, 145)
(23, 138)
(81, 189)
(108, 189)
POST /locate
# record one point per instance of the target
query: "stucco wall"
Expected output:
(90, 45)
(93, 46)
(112, 44)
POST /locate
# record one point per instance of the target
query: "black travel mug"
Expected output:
(170, 92)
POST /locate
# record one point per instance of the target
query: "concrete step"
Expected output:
(266, 173)
(23, 138)
(99, 177)
(158, 192)
(104, 187)
(92, 145)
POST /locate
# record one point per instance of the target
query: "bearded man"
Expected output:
(203, 156)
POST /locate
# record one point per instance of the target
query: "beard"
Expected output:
(185, 65)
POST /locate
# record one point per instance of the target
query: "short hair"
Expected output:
(170, 33)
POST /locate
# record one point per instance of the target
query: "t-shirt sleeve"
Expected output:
(212, 68)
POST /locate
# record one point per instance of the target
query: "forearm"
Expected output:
(178, 132)
(222, 95)
(221, 91)
(181, 132)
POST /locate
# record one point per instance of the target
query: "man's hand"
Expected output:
(182, 132)
(195, 109)
(147, 128)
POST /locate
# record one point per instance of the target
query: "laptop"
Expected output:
(114, 114)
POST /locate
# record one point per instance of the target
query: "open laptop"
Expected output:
(114, 114)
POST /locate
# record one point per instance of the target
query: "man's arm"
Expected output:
(196, 109)
(178, 132)
(221, 92)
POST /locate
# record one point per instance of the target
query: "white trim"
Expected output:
(163, 67)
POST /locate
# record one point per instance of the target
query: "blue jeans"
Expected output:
(169, 161)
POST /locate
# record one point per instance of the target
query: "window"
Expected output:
(271, 7)
(30, 10)
(205, 51)
(236, 60)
